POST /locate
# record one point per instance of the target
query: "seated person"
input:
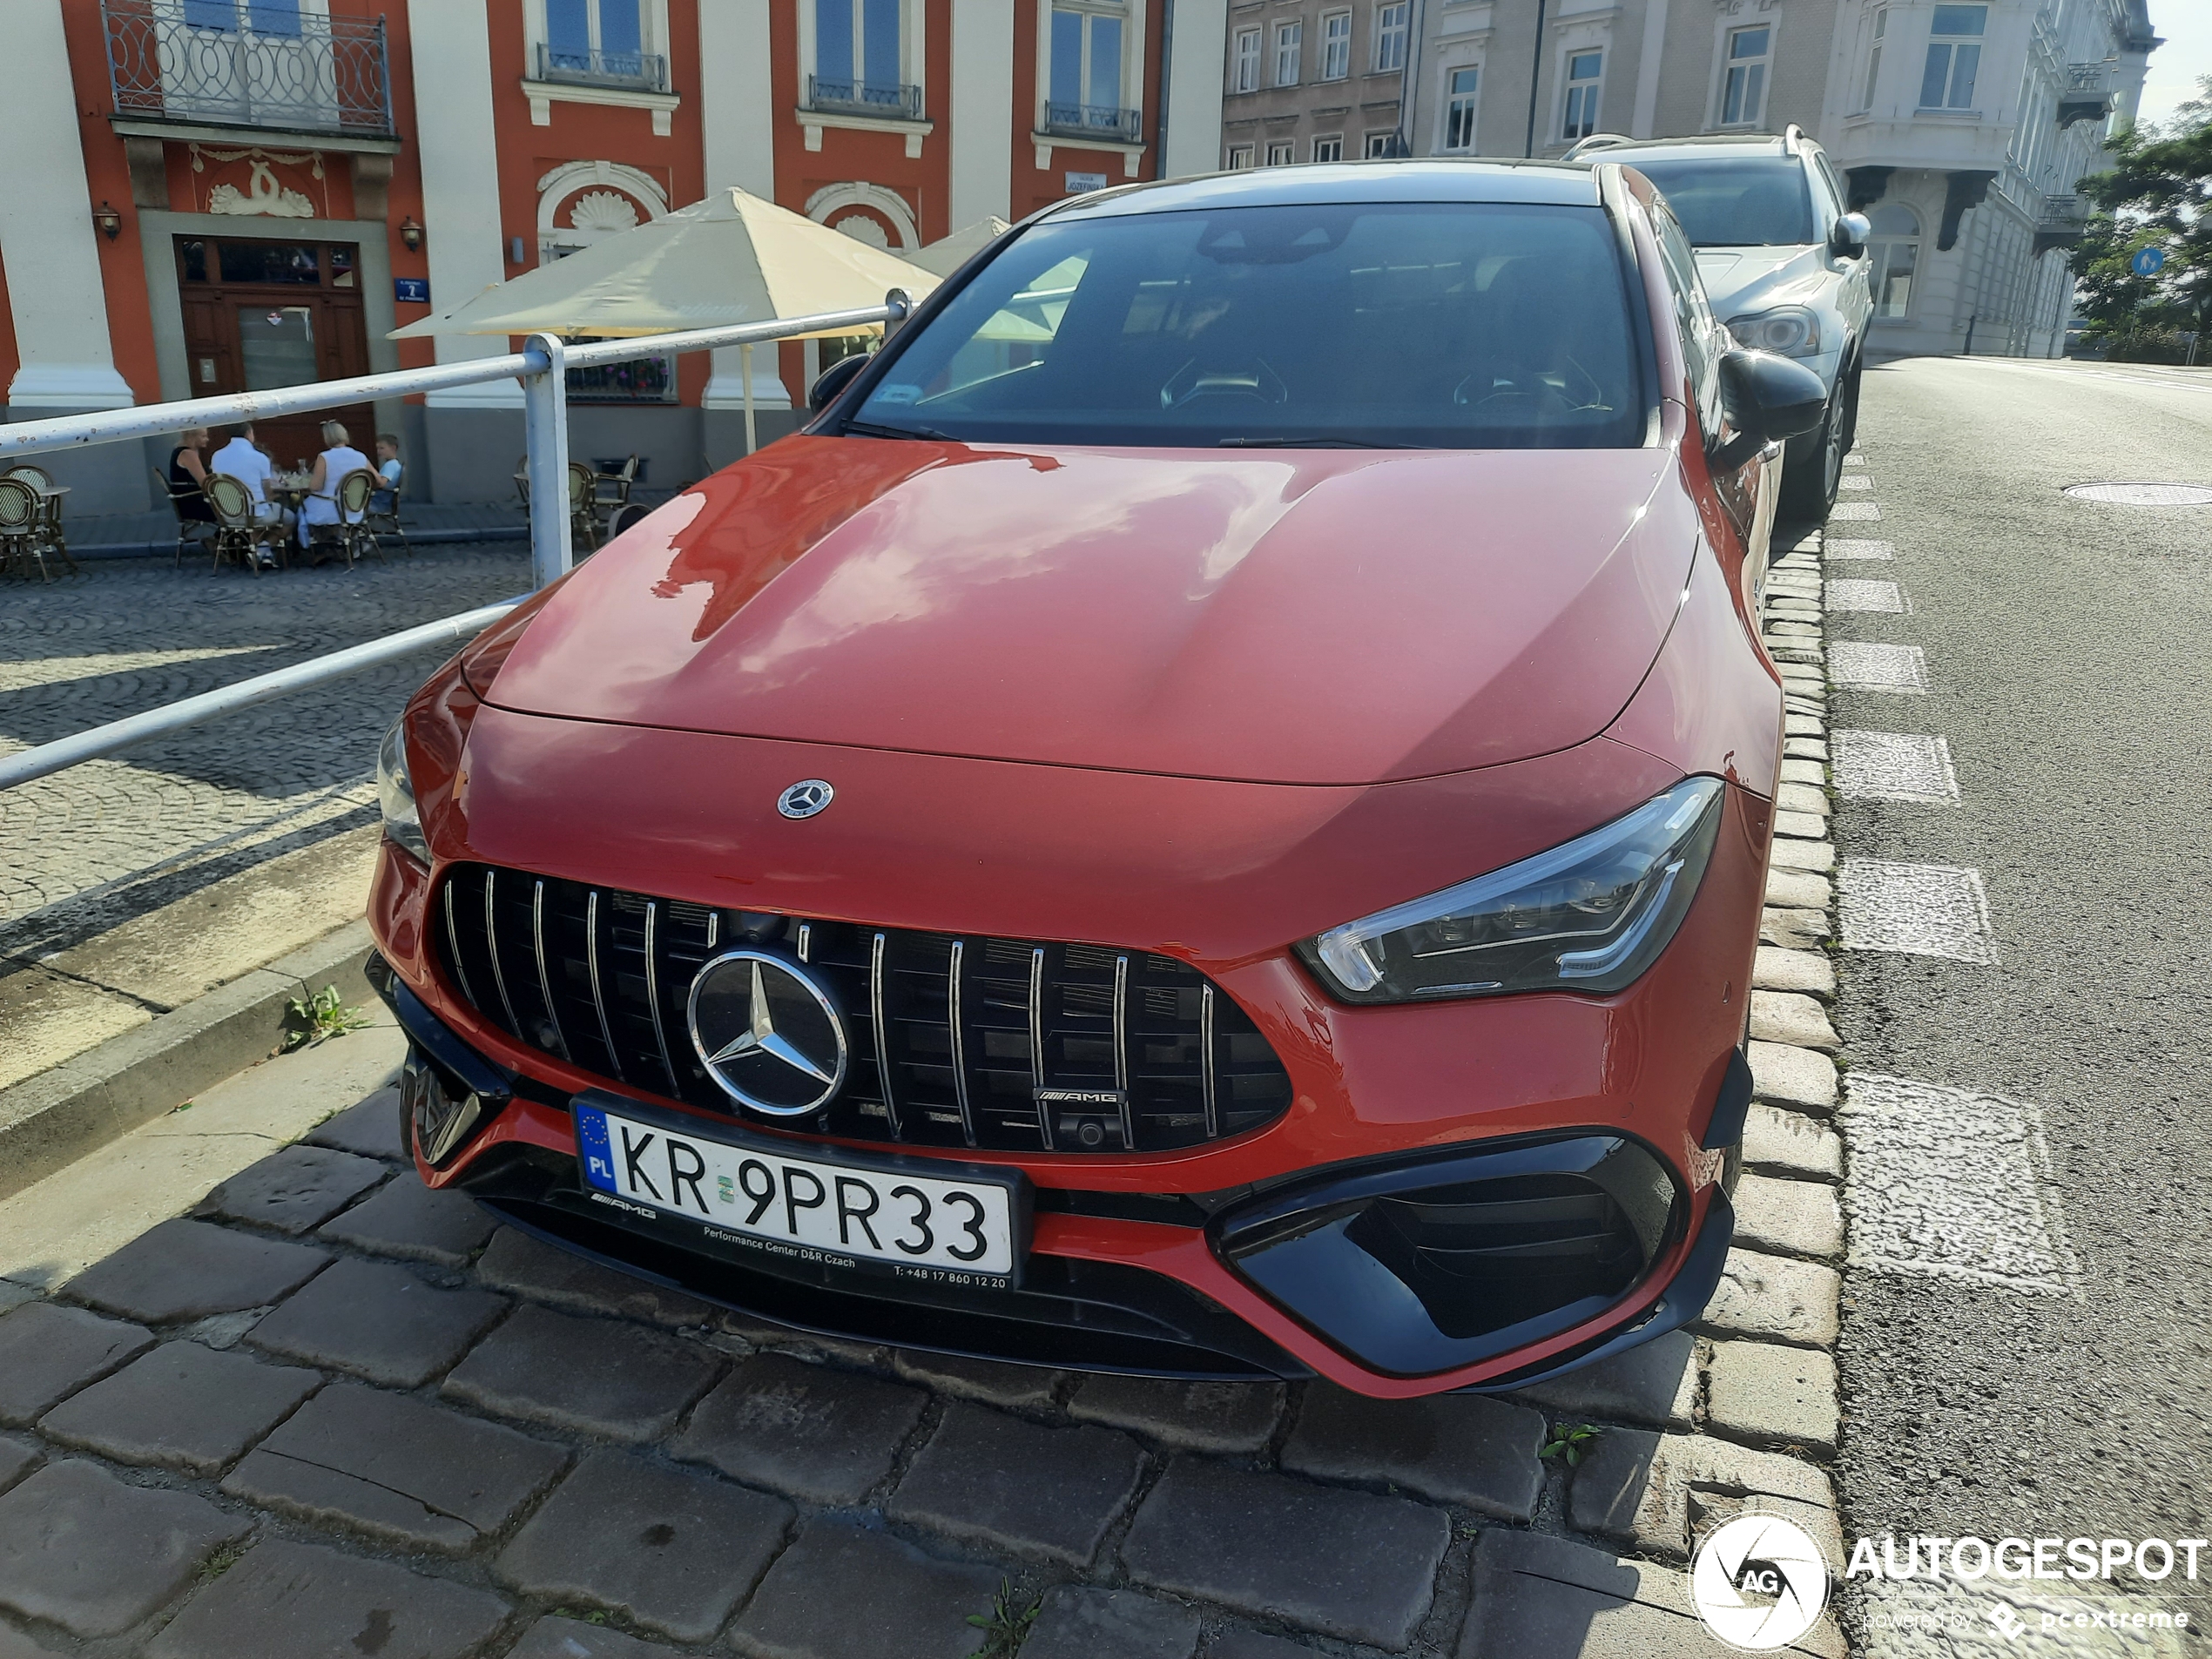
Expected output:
(246, 460)
(339, 457)
(187, 472)
(386, 499)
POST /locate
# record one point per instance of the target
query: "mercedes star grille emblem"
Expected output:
(768, 1032)
(804, 798)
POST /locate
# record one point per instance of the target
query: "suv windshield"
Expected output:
(1444, 325)
(1738, 201)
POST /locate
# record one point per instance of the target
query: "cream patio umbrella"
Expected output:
(948, 254)
(731, 258)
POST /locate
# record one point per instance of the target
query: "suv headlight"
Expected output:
(1589, 915)
(1791, 330)
(395, 794)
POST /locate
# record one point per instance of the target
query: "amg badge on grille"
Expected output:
(769, 1032)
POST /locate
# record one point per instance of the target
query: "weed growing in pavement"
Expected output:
(1570, 1443)
(221, 1562)
(310, 1018)
(1006, 1624)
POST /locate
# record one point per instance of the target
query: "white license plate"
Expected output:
(815, 1209)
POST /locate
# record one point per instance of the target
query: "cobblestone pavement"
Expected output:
(85, 847)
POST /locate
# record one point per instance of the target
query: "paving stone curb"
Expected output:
(50, 1121)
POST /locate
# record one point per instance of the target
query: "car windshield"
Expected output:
(1736, 201)
(1442, 324)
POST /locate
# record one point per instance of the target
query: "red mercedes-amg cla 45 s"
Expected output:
(1206, 817)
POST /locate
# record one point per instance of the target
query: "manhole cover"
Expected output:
(2144, 495)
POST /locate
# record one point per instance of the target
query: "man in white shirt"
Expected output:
(242, 458)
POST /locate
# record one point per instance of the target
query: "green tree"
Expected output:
(2157, 193)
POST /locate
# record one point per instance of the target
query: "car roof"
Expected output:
(1763, 144)
(1546, 183)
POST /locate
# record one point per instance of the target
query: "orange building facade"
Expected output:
(209, 196)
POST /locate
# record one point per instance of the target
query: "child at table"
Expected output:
(386, 499)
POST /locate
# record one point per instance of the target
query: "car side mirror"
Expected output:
(1767, 397)
(1847, 236)
(832, 381)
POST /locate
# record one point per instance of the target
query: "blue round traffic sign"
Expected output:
(2147, 261)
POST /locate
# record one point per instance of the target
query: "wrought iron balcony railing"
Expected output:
(887, 102)
(1092, 121)
(635, 71)
(2088, 77)
(2063, 210)
(236, 63)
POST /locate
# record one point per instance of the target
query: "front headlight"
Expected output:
(395, 794)
(1589, 915)
(1791, 330)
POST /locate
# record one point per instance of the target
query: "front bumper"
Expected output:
(1487, 1267)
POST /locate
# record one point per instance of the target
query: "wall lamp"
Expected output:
(107, 221)
(411, 234)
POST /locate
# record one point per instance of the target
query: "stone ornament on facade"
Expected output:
(263, 193)
(884, 212)
(603, 210)
(578, 202)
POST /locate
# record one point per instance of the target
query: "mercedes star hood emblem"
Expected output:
(804, 798)
(768, 1032)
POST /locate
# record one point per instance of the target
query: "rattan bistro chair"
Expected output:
(351, 530)
(239, 528)
(49, 506)
(583, 486)
(23, 529)
(188, 529)
(385, 520)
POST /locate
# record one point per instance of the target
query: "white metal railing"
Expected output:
(542, 366)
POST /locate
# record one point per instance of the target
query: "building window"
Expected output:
(247, 17)
(1244, 76)
(1584, 71)
(857, 52)
(1390, 37)
(1377, 147)
(1290, 44)
(1329, 149)
(1240, 156)
(1459, 85)
(1336, 46)
(1086, 69)
(1893, 253)
(1874, 60)
(1954, 57)
(1743, 82)
(1278, 155)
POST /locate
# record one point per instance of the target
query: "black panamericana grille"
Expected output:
(984, 1036)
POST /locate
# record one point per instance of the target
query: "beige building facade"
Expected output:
(1962, 129)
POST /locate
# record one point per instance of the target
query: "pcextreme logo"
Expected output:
(1759, 1582)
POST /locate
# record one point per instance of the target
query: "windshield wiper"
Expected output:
(870, 429)
(1312, 443)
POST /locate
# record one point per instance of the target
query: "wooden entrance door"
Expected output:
(260, 314)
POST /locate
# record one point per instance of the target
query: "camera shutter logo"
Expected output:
(1759, 1582)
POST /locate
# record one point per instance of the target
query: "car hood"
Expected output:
(1324, 617)
(1739, 279)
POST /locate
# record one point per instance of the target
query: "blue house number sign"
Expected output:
(411, 291)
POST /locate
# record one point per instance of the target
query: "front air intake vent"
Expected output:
(957, 1039)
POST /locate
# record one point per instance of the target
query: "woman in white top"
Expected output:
(333, 463)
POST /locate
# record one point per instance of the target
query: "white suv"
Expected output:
(1782, 263)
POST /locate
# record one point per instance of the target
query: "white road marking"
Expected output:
(1867, 667)
(1893, 765)
(1915, 910)
(1845, 548)
(1847, 509)
(1847, 593)
(1951, 1184)
(1854, 461)
(1855, 481)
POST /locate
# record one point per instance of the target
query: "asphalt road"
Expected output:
(2068, 649)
